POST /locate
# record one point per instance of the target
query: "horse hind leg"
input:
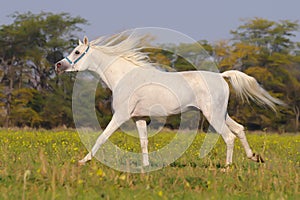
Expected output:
(228, 138)
(238, 130)
(218, 123)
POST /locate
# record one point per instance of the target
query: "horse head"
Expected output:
(73, 62)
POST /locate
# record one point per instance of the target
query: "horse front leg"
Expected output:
(111, 127)
(142, 129)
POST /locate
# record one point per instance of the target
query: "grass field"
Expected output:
(43, 165)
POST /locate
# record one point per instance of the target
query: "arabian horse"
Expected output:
(122, 65)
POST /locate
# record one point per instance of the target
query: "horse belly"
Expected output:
(157, 100)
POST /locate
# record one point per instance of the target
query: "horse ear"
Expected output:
(85, 40)
(79, 42)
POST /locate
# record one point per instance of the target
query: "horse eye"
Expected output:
(77, 52)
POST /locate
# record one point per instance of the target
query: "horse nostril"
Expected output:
(58, 65)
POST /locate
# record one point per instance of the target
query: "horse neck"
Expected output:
(110, 68)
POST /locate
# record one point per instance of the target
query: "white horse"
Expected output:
(137, 87)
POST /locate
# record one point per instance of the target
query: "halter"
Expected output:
(73, 63)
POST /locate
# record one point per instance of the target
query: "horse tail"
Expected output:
(247, 87)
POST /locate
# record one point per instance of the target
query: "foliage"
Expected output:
(265, 50)
(29, 48)
(43, 165)
(22, 111)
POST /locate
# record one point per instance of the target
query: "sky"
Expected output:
(211, 20)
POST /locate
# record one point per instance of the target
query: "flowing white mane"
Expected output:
(126, 46)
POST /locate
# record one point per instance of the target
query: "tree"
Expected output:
(265, 49)
(270, 35)
(29, 47)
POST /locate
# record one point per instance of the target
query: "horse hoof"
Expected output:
(260, 159)
(81, 163)
(257, 158)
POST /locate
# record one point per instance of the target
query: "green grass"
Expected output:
(43, 165)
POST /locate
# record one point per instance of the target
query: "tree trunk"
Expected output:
(297, 114)
(9, 97)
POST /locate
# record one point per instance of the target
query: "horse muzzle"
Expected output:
(61, 67)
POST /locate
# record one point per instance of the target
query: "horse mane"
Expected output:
(127, 46)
